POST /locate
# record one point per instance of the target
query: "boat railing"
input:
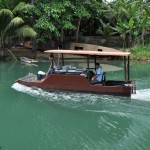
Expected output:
(70, 70)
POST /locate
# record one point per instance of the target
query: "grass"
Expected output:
(141, 52)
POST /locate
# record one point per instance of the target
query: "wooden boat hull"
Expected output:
(77, 83)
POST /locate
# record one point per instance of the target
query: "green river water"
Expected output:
(32, 119)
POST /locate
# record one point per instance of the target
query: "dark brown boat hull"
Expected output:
(77, 83)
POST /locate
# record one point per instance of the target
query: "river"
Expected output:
(32, 119)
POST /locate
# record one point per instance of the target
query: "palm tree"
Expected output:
(132, 20)
(106, 30)
(12, 27)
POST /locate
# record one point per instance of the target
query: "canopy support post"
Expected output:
(125, 69)
(95, 61)
(88, 65)
(128, 68)
(62, 56)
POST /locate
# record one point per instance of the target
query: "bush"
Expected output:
(141, 52)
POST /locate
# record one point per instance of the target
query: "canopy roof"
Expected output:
(87, 52)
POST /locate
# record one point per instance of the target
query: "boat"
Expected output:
(78, 79)
(28, 60)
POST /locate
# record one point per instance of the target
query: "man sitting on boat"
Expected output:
(98, 76)
(53, 65)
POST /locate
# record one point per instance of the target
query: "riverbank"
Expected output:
(24, 52)
(139, 53)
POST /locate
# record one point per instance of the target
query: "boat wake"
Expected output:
(55, 96)
(143, 94)
(25, 89)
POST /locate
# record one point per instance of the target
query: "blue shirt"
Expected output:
(99, 72)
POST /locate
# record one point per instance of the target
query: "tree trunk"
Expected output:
(77, 31)
(129, 40)
(62, 35)
(1, 54)
(1, 49)
(142, 37)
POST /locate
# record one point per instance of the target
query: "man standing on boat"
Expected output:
(53, 65)
(98, 76)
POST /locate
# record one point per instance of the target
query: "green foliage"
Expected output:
(105, 28)
(25, 31)
(57, 16)
(2, 4)
(5, 17)
(56, 19)
(132, 20)
(141, 52)
(10, 22)
(13, 26)
(22, 7)
(10, 4)
(50, 18)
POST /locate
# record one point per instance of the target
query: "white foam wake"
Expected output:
(52, 96)
(32, 91)
(143, 94)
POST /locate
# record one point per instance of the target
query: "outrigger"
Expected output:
(78, 80)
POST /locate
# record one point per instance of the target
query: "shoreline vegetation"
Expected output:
(53, 23)
(138, 53)
(141, 53)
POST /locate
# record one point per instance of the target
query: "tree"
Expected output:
(106, 21)
(54, 19)
(51, 19)
(2, 5)
(80, 12)
(10, 4)
(12, 27)
(132, 20)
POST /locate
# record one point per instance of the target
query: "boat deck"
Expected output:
(29, 78)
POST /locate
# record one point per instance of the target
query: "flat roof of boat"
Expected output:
(87, 52)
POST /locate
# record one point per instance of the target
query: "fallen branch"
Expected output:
(11, 54)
